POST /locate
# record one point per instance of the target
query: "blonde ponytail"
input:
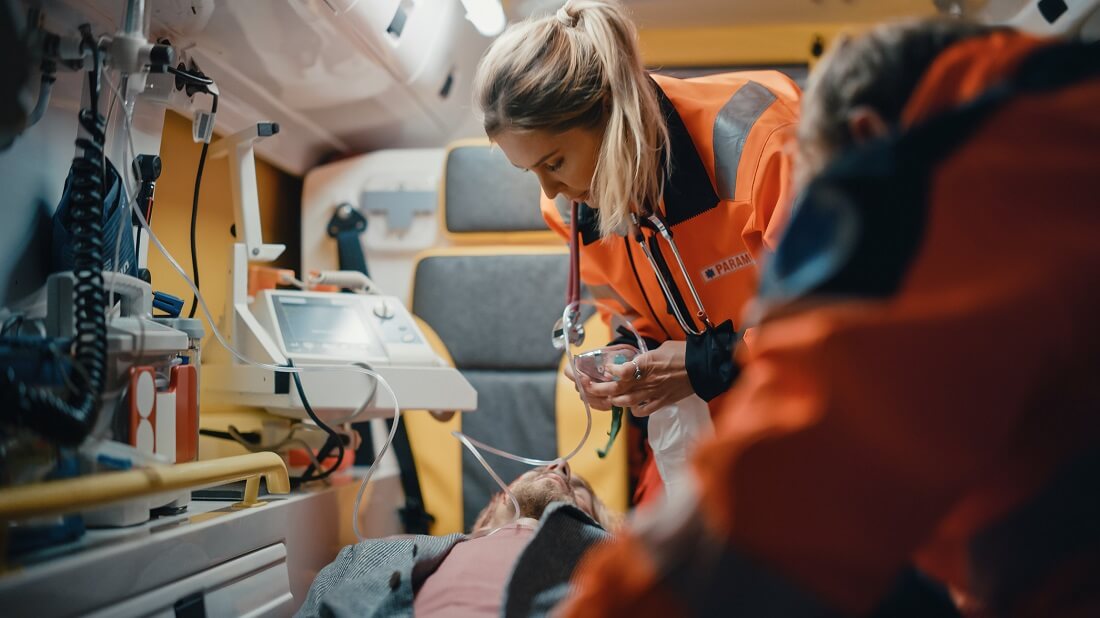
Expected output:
(581, 67)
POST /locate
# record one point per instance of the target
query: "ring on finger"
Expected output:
(637, 370)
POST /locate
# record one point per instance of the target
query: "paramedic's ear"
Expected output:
(865, 124)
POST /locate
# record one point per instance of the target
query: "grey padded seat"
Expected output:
(495, 312)
(484, 192)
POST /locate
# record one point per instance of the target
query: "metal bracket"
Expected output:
(398, 207)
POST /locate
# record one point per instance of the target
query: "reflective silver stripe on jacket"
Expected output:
(731, 128)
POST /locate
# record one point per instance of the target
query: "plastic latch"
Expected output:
(202, 128)
(167, 303)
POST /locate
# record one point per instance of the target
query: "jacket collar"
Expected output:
(688, 189)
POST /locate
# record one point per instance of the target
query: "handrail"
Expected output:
(82, 493)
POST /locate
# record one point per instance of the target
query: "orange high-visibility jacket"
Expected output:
(725, 200)
(954, 423)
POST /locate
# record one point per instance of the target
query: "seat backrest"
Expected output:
(493, 306)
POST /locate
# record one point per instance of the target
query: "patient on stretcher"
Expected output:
(518, 565)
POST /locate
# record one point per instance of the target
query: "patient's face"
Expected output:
(535, 490)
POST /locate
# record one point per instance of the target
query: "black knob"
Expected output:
(817, 47)
(147, 167)
(161, 55)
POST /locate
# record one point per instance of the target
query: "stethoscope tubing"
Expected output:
(668, 286)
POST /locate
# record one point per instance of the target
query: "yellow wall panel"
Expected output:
(280, 207)
(734, 45)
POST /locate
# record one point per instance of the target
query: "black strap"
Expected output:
(414, 517)
(345, 226)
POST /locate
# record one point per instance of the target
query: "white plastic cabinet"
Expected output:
(340, 76)
(233, 562)
(254, 585)
(398, 193)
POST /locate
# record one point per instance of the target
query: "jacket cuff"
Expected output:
(709, 359)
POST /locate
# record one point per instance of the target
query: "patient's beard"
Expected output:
(535, 496)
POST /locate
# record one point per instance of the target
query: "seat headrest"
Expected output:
(484, 192)
(494, 308)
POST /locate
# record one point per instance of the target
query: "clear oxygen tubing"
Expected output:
(299, 369)
(127, 107)
(570, 313)
(571, 326)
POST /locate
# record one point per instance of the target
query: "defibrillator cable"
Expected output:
(333, 436)
(195, 208)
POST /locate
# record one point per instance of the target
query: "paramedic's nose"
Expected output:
(550, 187)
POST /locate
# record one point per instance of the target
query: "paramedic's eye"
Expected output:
(554, 167)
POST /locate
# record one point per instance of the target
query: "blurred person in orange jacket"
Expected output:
(647, 158)
(921, 389)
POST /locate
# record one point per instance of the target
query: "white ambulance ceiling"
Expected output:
(692, 13)
(339, 76)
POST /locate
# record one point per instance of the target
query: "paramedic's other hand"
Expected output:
(594, 402)
(662, 380)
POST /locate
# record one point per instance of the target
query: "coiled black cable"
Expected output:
(68, 421)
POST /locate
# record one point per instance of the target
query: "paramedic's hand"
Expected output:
(594, 402)
(664, 381)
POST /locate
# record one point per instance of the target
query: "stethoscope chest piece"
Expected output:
(574, 330)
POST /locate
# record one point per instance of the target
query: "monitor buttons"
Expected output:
(383, 310)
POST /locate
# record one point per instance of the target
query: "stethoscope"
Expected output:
(570, 325)
(668, 286)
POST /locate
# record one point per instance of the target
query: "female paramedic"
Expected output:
(947, 236)
(680, 184)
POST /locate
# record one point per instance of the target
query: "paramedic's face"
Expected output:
(563, 162)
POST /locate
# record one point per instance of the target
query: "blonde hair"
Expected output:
(880, 69)
(499, 506)
(581, 67)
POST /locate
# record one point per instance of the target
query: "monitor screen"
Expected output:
(324, 323)
(323, 326)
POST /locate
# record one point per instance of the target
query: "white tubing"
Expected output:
(473, 445)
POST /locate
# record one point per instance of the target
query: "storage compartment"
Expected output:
(254, 585)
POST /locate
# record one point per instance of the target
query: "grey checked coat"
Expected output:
(379, 577)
